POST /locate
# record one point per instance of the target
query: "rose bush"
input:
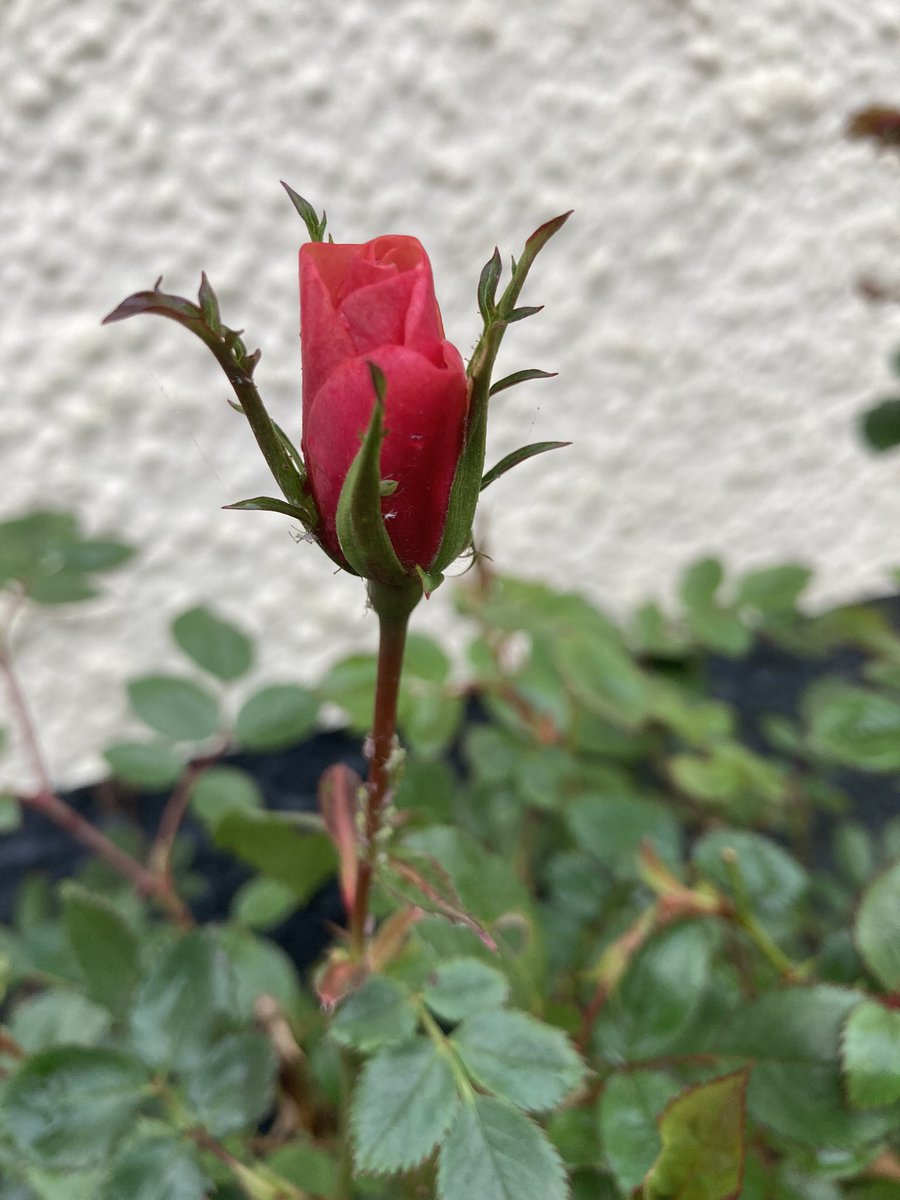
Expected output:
(375, 304)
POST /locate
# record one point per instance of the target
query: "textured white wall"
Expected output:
(700, 306)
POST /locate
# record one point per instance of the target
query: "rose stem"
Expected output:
(49, 805)
(160, 857)
(393, 606)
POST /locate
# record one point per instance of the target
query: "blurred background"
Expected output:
(702, 306)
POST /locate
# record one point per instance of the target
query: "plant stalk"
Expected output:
(160, 857)
(393, 606)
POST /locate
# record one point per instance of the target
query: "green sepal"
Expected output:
(487, 286)
(209, 303)
(538, 241)
(470, 467)
(519, 456)
(466, 481)
(306, 515)
(430, 580)
(315, 225)
(519, 314)
(361, 530)
(292, 452)
(509, 381)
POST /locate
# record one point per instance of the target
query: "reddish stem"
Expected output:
(393, 606)
(160, 858)
(590, 1015)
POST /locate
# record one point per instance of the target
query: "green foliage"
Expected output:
(309, 1167)
(485, 884)
(379, 1013)
(714, 625)
(494, 1152)
(223, 790)
(880, 425)
(275, 717)
(106, 949)
(773, 591)
(231, 1088)
(274, 845)
(215, 645)
(261, 903)
(871, 1055)
(793, 1036)
(463, 986)
(70, 1106)
(429, 708)
(182, 1002)
(10, 813)
(878, 928)
(614, 828)
(257, 967)
(177, 708)
(656, 1008)
(702, 1133)
(45, 555)
(155, 1168)
(404, 1103)
(57, 1017)
(152, 766)
(854, 726)
(772, 880)
(605, 679)
(854, 852)
(603, 964)
(629, 1112)
(731, 778)
(518, 1058)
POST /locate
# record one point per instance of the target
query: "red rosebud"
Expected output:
(375, 303)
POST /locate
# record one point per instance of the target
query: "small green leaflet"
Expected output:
(494, 1152)
(404, 1102)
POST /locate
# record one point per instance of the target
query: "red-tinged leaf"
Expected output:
(391, 937)
(544, 233)
(702, 1132)
(338, 977)
(165, 305)
(315, 225)
(429, 887)
(339, 803)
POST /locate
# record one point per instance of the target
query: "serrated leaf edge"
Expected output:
(555, 1156)
(405, 1164)
(525, 1019)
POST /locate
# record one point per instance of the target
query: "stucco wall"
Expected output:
(700, 306)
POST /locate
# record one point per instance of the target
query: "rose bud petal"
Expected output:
(375, 303)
